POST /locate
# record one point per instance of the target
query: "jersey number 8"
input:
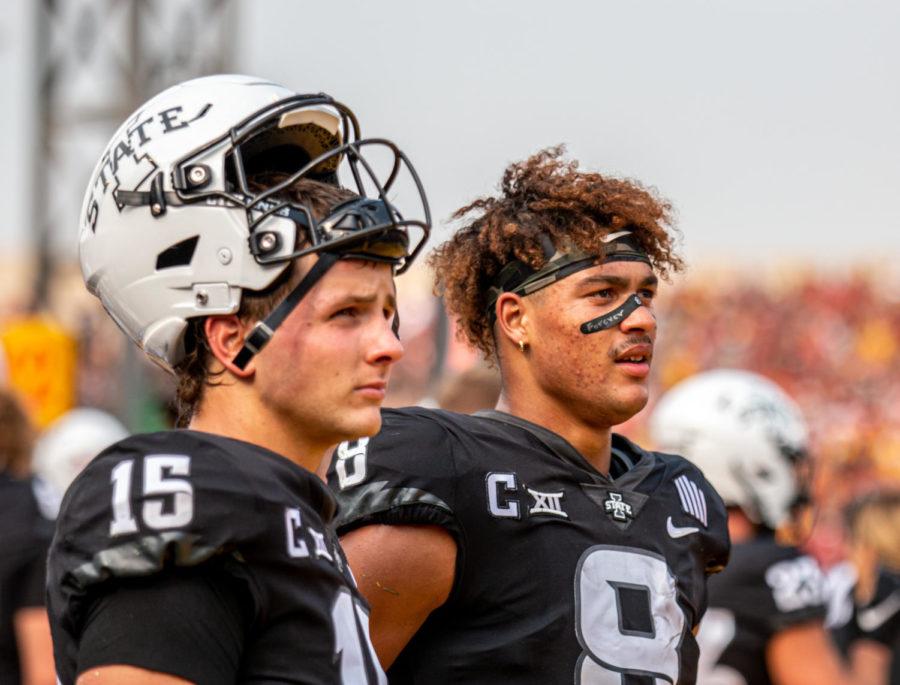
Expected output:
(627, 618)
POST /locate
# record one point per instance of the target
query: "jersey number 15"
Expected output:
(167, 501)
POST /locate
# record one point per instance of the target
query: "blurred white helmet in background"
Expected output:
(743, 432)
(70, 442)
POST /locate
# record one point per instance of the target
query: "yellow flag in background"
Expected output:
(41, 362)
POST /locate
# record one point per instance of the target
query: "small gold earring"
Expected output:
(522, 346)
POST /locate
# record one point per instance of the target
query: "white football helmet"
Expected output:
(743, 432)
(70, 442)
(171, 229)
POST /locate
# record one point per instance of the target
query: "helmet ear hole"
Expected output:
(179, 254)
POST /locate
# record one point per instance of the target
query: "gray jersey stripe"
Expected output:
(686, 500)
(680, 487)
(701, 501)
(692, 492)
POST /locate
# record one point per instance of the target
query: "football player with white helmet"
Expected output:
(67, 445)
(532, 544)
(765, 621)
(216, 235)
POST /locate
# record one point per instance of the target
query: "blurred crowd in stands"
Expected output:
(832, 342)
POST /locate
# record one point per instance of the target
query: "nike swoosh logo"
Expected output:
(874, 617)
(677, 531)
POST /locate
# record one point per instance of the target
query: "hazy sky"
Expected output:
(771, 125)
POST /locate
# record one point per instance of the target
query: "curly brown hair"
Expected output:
(193, 373)
(543, 195)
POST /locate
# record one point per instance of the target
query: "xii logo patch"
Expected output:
(549, 503)
(618, 508)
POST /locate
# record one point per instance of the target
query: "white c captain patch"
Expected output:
(547, 503)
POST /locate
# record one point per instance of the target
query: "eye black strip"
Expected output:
(613, 318)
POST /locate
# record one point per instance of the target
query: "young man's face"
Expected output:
(600, 377)
(326, 371)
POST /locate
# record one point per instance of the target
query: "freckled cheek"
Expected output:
(583, 356)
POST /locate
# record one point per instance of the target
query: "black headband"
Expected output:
(522, 279)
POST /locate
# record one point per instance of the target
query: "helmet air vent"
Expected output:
(179, 254)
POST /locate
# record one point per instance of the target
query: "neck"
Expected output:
(222, 414)
(592, 442)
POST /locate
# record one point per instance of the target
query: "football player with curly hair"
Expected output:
(532, 544)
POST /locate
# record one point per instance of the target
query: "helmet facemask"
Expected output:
(172, 227)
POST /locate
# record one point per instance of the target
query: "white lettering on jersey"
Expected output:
(321, 549)
(168, 502)
(296, 546)
(717, 630)
(618, 508)
(547, 503)
(351, 462)
(499, 505)
(158, 472)
(795, 583)
(873, 618)
(640, 637)
(352, 645)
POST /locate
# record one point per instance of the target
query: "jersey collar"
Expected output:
(629, 464)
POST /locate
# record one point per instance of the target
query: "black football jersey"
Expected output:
(766, 588)
(24, 536)
(159, 503)
(878, 620)
(564, 575)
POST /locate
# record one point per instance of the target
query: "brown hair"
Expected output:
(193, 373)
(543, 196)
(16, 436)
(874, 522)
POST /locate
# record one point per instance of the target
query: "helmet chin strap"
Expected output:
(264, 330)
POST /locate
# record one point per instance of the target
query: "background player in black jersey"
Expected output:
(213, 221)
(532, 544)
(25, 530)
(870, 637)
(766, 610)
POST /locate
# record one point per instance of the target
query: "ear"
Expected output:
(225, 335)
(512, 318)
